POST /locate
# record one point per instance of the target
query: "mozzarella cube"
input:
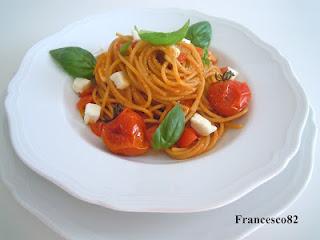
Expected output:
(176, 50)
(120, 80)
(91, 113)
(187, 41)
(80, 84)
(202, 125)
(135, 35)
(235, 73)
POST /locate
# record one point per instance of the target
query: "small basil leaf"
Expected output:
(200, 34)
(162, 38)
(170, 130)
(124, 48)
(75, 61)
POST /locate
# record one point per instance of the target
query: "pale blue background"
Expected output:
(290, 26)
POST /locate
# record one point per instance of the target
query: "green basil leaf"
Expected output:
(170, 130)
(124, 48)
(75, 61)
(162, 38)
(200, 34)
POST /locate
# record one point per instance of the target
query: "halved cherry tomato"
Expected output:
(126, 134)
(81, 104)
(188, 137)
(182, 57)
(150, 131)
(87, 91)
(229, 97)
(97, 127)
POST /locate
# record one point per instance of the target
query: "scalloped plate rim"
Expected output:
(275, 165)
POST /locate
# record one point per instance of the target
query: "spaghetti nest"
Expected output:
(158, 81)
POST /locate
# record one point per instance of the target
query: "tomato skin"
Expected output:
(228, 98)
(150, 131)
(125, 134)
(87, 91)
(97, 127)
(83, 101)
(188, 137)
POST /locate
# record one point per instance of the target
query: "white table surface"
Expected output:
(290, 26)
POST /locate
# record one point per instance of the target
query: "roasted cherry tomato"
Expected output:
(126, 134)
(83, 101)
(87, 91)
(150, 131)
(188, 137)
(97, 127)
(228, 98)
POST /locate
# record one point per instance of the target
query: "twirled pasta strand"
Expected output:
(155, 87)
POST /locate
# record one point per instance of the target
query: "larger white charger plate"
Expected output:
(50, 137)
(75, 219)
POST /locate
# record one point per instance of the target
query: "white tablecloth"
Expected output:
(290, 26)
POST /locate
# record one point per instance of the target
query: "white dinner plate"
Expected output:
(75, 219)
(50, 137)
